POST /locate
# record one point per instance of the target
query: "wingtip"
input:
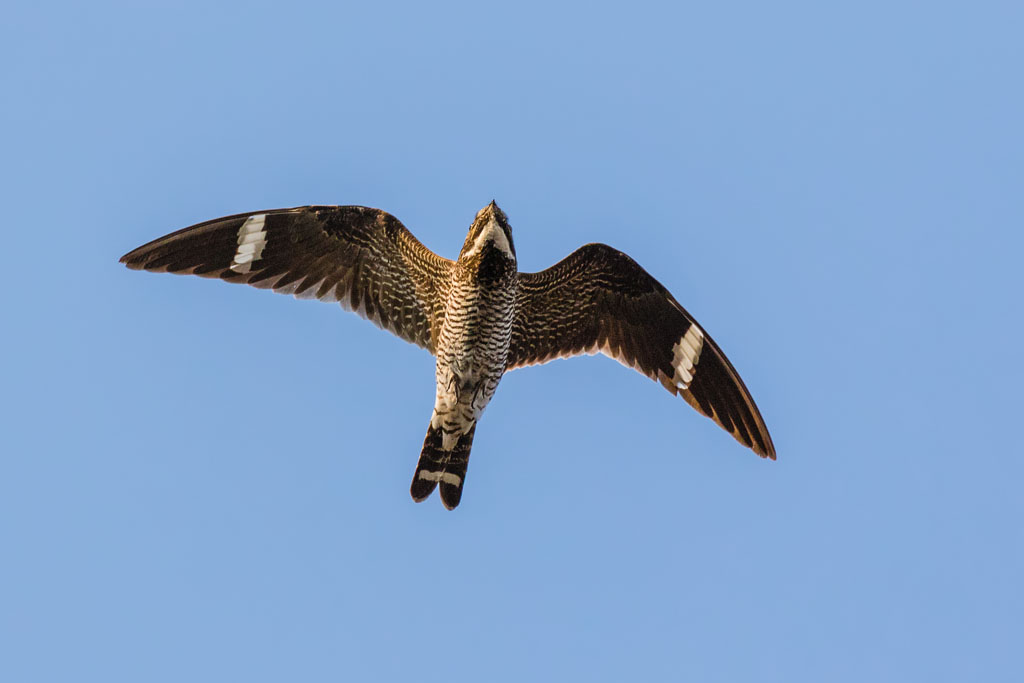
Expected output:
(130, 260)
(769, 449)
(765, 449)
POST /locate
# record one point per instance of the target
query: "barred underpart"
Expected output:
(473, 343)
(478, 314)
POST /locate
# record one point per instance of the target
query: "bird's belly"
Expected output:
(471, 358)
(469, 372)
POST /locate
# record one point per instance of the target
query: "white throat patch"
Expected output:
(491, 232)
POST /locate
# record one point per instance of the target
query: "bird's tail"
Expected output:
(438, 466)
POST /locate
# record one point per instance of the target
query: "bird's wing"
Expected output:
(363, 258)
(598, 299)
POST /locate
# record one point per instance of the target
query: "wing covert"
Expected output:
(362, 258)
(599, 300)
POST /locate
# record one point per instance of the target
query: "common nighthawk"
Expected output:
(478, 315)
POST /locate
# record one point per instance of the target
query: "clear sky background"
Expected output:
(204, 482)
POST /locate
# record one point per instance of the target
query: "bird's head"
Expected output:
(490, 233)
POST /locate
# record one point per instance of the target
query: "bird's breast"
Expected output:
(477, 327)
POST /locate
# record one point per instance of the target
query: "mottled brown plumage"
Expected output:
(478, 315)
(363, 258)
(599, 300)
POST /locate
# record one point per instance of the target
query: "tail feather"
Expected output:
(438, 466)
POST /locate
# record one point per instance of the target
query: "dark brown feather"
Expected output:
(600, 300)
(362, 257)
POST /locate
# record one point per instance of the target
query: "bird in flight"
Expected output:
(478, 315)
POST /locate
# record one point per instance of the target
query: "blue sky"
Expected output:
(204, 482)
